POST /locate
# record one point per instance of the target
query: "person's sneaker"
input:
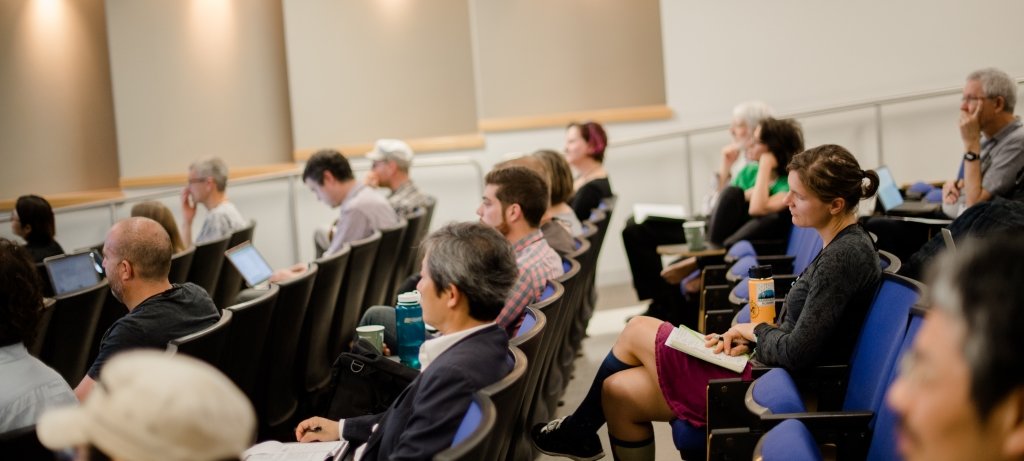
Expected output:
(552, 439)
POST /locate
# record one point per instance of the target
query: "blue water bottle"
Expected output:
(409, 319)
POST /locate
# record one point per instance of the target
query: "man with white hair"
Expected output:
(992, 138)
(207, 185)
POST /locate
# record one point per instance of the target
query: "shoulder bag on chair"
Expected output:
(365, 382)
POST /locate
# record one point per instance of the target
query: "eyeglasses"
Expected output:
(973, 98)
(197, 180)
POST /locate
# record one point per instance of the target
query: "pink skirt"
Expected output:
(684, 379)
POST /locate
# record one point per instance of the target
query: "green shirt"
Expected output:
(747, 176)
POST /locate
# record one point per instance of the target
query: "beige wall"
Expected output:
(56, 115)
(539, 57)
(195, 78)
(361, 70)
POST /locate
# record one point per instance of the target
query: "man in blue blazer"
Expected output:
(467, 273)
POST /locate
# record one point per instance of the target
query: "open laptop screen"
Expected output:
(250, 263)
(888, 192)
(70, 273)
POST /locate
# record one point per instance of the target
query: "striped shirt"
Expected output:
(537, 264)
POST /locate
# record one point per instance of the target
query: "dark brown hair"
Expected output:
(783, 138)
(518, 184)
(35, 211)
(830, 172)
(21, 297)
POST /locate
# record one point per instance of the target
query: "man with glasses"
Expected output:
(960, 392)
(391, 159)
(993, 142)
(207, 182)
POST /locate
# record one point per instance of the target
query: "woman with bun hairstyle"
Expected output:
(642, 380)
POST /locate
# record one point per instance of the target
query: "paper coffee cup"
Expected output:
(694, 231)
(374, 334)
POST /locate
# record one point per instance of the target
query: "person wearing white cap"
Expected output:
(150, 406)
(391, 159)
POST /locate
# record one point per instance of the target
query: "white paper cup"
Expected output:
(373, 334)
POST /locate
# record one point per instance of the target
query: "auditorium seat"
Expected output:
(35, 347)
(247, 334)
(507, 395)
(314, 367)
(350, 298)
(206, 264)
(207, 344)
(383, 272)
(23, 444)
(428, 219)
(532, 337)
(276, 383)
(474, 434)
(414, 233)
(181, 262)
(229, 283)
(70, 333)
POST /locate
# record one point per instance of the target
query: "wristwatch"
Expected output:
(970, 156)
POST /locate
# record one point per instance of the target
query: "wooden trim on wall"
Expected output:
(181, 178)
(70, 198)
(622, 114)
(418, 145)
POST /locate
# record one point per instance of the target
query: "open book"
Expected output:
(692, 343)
(273, 450)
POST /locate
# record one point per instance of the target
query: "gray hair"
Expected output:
(978, 285)
(996, 83)
(213, 168)
(478, 260)
(751, 113)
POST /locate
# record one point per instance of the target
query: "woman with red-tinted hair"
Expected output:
(584, 150)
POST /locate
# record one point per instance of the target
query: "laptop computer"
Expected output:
(892, 201)
(948, 237)
(250, 263)
(71, 272)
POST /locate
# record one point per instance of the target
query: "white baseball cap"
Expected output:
(391, 149)
(150, 406)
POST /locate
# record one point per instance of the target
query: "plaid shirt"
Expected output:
(406, 198)
(537, 263)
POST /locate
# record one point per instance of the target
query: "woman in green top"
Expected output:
(752, 206)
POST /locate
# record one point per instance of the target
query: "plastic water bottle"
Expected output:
(411, 331)
(762, 295)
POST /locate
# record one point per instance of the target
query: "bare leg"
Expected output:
(632, 398)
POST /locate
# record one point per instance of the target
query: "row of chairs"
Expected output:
(279, 347)
(847, 399)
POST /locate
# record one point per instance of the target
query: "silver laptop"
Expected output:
(71, 272)
(892, 200)
(250, 263)
(948, 237)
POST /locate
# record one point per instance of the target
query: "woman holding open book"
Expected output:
(643, 380)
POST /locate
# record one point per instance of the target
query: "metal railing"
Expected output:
(876, 104)
(291, 177)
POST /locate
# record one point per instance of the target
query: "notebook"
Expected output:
(71, 272)
(250, 263)
(892, 200)
(690, 342)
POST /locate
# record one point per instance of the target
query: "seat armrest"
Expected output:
(715, 274)
(770, 247)
(717, 320)
(726, 407)
(732, 443)
(715, 297)
(781, 264)
(846, 421)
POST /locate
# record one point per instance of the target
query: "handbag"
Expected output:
(365, 383)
